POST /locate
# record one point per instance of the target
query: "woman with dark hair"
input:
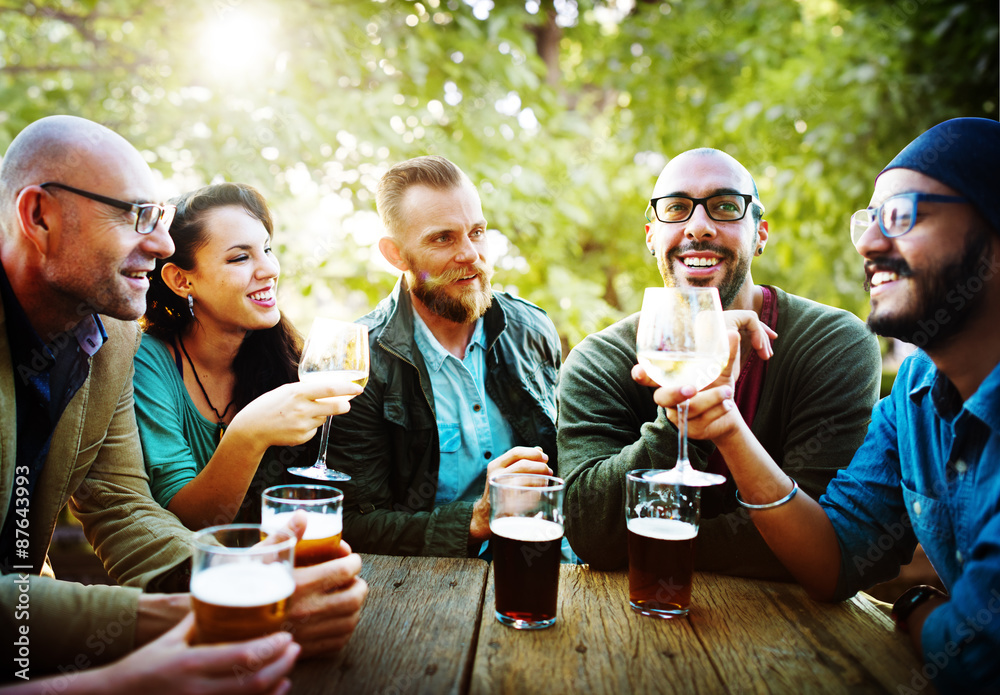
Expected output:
(215, 377)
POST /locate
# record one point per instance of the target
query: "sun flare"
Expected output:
(236, 43)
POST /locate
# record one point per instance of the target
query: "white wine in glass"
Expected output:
(681, 340)
(333, 349)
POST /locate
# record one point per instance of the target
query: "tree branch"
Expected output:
(92, 67)
(79, 22)
(547, 37)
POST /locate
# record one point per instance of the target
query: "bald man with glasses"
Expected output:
(806, 395)
(79, 234)
(928, 471)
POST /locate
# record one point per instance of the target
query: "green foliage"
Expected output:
(561, 118)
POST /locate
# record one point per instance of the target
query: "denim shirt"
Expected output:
(471, 429)
(929, 472)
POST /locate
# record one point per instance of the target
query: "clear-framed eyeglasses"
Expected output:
(896, 215)
(147, 215)
(727, 207)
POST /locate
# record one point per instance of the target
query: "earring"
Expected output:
(191, 304)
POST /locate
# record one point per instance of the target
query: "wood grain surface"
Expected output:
(598, 645)
(770, 637)
(742, 636)
(429, 627)
(417, 630)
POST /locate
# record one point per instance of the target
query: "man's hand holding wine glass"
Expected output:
(712, 412)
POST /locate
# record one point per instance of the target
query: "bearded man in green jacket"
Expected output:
(807, 398)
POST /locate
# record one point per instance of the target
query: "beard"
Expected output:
(467, 307)
(732, 281)
(946, 289)
(89, 279)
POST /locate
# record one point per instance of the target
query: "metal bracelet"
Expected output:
(771, 505)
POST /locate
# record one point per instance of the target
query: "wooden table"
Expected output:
(428, 627)
(417, 632)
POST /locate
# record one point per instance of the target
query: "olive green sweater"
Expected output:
(819, 390)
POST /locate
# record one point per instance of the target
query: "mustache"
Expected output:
(889, 265)
(702, 246)
(449, 276)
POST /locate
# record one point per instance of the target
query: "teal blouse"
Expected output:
(178, 441)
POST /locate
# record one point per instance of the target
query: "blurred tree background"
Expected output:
(561, 111)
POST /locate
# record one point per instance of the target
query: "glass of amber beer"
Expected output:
(662, 520)
(526, 522)
(324, 508)
(240, 584)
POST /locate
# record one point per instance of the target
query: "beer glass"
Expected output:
(662, 520)
(323, 506)
(240, 584)
(526, 523)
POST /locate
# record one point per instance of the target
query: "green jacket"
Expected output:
(388, 442)
(819, 390)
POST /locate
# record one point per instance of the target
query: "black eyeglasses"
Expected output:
(147, 215)
(896, 215)
(727, 207)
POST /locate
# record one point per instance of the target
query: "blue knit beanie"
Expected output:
(964, 154)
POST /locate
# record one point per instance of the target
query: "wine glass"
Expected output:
(682, 341)
(333, 348)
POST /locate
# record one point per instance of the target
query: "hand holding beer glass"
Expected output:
(240, 585)
(662, 521)
(323, 507)
(526, 523)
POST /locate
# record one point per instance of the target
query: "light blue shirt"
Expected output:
(928, 471)
(471, 429)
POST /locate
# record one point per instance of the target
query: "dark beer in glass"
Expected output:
(662, 522)
(660, 564)
(526, 556)
(526, 526)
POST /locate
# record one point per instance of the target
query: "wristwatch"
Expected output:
(904, 606)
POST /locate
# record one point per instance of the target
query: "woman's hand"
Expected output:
(290, 414)
(287, 416)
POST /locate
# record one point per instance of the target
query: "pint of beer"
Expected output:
(662, 522)
(323, 506)
(239, 584)
(526, 523)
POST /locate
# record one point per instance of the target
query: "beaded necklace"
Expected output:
(220, 416)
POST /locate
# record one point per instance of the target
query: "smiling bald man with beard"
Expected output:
(807, 398)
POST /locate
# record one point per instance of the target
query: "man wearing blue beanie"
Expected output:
(929, 469)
